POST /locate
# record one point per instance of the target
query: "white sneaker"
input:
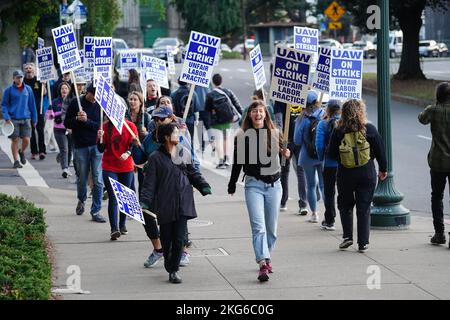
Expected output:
(283, 208)
(314, 217)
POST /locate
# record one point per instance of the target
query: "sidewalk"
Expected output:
(306, 261)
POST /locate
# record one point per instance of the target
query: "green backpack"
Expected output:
(354, 150)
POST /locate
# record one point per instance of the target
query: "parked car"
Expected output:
(395, 43)
(330, 43)
(428, 48)
(347, 45)
(118, 44)
(238, 48)
(120, 76)
(443, 50)
(160, 48)
(367, 47)
(224, 47)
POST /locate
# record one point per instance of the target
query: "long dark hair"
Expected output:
(353, 117)
(63, 83)
(140, 115)
(133, 76)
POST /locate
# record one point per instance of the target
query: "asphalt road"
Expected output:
(410, 145)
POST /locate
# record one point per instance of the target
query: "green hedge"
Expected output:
(25, 269)
(231, 55)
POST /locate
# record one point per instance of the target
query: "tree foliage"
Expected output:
(272, 10)
(102, 17)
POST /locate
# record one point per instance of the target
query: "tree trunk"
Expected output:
(410, 20)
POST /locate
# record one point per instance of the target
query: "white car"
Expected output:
(428, 48)
(330, 43)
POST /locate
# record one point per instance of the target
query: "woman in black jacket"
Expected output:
(167, 191)
(356, 185)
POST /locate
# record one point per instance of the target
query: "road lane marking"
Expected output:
(423, 137)
(28, 172)
(224, 69)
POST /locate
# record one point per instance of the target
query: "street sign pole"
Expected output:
(387, 211)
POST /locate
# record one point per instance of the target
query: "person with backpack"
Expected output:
(354, 143)
(168, 192)
(305, 137)
(324, 130)
(438, 116)
(179, 100)
(223, 107)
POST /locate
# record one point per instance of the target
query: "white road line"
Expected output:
(28, 172)
(224, 69)
(423, 137)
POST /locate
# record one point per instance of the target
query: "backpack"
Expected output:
(183, 102)
(311, 141)
(222, 111)
(330, 128)
(354, 150)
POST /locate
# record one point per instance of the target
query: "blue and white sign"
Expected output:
(89, 57)
(170, 61)
(40, 42)
(128, 60)
(112, 105)
(103, 59)
(322, 77)
(80, 74)
(199, 60)
(44, 59)
(258, 67)
(290, 76)
(306, 39)
(127, 201)
(346, 74)
(155, 69)
(66, 48)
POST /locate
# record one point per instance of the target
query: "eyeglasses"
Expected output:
(159, 119)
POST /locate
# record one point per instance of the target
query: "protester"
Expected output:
(308, 157)
(65, 77)
(37, 142)
(19, 109)
(117, 164)
(85, 125)
(324, 130)
(258, 95)
(221, 104)
(169, 177)
(262, 181)
(60, 130)
(179, 100)
(203, 125)
(134, 83)
(280, 115)
(152, 96)
(438, 116)
(354, 143)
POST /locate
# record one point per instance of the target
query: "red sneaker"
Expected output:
(263, 274)
(269, 267)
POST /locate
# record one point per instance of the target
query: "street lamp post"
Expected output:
(387, 211)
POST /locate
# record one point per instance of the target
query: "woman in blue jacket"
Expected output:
(311, 165)
(324, 130)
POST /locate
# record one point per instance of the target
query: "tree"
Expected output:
(273, 10)
(408, 15)
(102, 17)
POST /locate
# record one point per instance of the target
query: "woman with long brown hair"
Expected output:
(356, 175)
(256, 150)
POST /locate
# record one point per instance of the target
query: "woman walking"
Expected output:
(354, 144)
(257, 140)
(167, 192)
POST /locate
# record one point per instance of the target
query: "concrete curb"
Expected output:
(400, 98)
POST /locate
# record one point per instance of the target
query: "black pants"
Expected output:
(172, 240)
(356, 187)
(438, 181)
(329, 187)
(37, 142)
(70, 149)
(301, 183)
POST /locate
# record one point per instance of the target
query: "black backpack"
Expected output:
(182, 105)
(222, 111)
(311, 142)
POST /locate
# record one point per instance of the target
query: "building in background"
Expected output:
(436, 25)
(129, 27)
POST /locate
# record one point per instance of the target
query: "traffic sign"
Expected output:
(334, 11)
(334, 25)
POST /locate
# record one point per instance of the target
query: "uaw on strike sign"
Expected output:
(66, 48)
(199, 60)
(290, 76)
(127, 201)
(346, 74)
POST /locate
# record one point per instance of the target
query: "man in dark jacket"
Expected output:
(85, 125)
(179, 99)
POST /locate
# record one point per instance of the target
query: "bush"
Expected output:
(231, 55)
(25, 269)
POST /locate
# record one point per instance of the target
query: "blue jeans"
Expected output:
(263, 205)
(89, 159)
(311, 184)
(125, 178)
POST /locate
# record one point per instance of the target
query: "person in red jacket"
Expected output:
(118, 164)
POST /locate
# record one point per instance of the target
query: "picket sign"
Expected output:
(346, 74)
(258, 68)
(66, 48)
(127, 201)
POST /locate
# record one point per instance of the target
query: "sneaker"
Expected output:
(98, 218)
(363, 248)
(263, 274)
(115, 235)
(221, 166)
(23, 160)
(184, 259)
(123, 230)
(327, 226)
(17, 165)
(153, 259)
(438, 238)
(226, 163)
(345, 244)
(80, 208)
(269, 266)
(34, 156)
(314, 218)
(283, 207)
(65, 174)
(41, 156)
(174, 278)
(302, 211)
